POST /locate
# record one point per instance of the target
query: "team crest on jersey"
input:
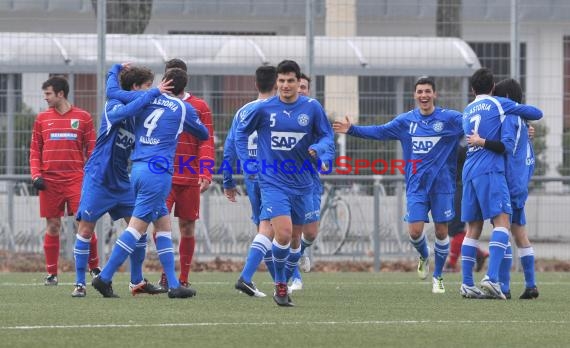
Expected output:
(303, 120)
(438, 126)
(74, 123)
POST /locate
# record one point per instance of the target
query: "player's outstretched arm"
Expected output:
(193, 125)
(342, 126)
(525, 111)
(392, 130)
(114, 90)
(117, 112)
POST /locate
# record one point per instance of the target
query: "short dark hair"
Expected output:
(179, 79)
(287, 66)
(425, 80)
(509, 88)
(265, 77)
(482, 81)
(135, 76)
(305, 77)
(58, 83)
(175, 63)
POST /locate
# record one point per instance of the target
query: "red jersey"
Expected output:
(61, 144)
(188, 146)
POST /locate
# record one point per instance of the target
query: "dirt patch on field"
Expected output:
(28, 262)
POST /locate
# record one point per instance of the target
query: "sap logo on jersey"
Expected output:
(285, 141)
(125, 139)
(422, 145)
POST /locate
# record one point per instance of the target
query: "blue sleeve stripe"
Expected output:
(518, 137)
(499, 106)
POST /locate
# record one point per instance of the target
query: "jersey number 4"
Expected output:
(150, 122)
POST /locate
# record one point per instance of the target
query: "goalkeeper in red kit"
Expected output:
(62, 139)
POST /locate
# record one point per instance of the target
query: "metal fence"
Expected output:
(363, 56)
(361, 219)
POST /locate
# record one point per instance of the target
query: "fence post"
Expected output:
(376, 235)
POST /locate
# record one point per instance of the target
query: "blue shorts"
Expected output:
(96, 200)
(440, 205)
(315, 213)
(485, 197)
(254, 195)
(151, 190)
(275, 202)
(518, 216)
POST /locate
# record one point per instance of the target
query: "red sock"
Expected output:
(51, 250)
(455, 248)
(186, 250)
(93, 254)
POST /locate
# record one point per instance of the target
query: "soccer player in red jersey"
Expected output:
(62, 140)
(188, 184)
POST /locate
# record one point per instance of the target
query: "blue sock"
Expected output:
(296, 274)
(165, 252)
(468, 259)
(441, 250)
(268, 258)
(505, 270)
(292, 262)
(421, 245)
(81, 255)
(124, 246)
(257, 251)
(497, 246)
(137, 259)
(280, 256)
(527, 261)
(305, 244)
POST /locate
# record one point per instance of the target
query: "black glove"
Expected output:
(39, 183)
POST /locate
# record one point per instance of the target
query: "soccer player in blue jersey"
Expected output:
(485, 191)
(519, 167)
(311, 227)
(157, 128)
(106, 186)
(429, 136)
(291, 130)
(265, 77)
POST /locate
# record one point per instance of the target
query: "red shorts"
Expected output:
(56, 195)
(186, 201)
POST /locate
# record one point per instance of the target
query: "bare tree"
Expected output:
(127, 16)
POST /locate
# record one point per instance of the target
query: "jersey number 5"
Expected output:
(272, 119)
(150, 122)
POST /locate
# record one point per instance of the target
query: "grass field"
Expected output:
(334, 310)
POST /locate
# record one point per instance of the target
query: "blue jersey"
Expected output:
(519, 161)
(230, 148)
(286, 132)
(108, 163)
(485, 116)
(429, 144)
(158, 125)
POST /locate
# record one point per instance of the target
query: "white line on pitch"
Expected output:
(294, 323)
